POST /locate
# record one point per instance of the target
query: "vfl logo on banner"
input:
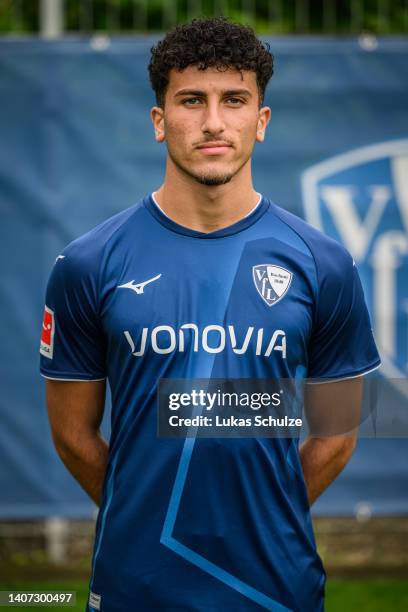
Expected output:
(271, 282)
(361, 199)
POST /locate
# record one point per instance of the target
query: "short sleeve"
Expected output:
(72, 343)
(342, 343)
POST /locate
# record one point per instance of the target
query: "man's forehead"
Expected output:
(212, 78)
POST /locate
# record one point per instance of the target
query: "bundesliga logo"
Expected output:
(360, 198)
(47, 334)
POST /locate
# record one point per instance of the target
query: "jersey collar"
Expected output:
(235, 228)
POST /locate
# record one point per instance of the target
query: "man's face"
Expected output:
(210, 122)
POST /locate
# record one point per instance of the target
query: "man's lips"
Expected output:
(214, 148)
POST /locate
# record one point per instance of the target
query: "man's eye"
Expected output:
(191, 101)
(235, 101)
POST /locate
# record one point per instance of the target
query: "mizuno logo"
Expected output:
(138, 287)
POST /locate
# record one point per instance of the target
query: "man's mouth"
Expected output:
(214, 147)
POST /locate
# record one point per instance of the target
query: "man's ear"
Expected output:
(263, 120)
(157, 117)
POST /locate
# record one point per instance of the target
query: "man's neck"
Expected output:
(206, 208)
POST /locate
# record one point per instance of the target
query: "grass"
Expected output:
(81, 588)
(373, 595)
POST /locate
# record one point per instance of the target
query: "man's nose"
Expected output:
(213, 121)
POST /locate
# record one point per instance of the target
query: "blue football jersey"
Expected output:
(198, 524)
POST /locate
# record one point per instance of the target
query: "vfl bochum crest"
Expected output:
(272, 282)
(360, 198)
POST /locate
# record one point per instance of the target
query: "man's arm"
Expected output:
(75, 411)
(333, 414)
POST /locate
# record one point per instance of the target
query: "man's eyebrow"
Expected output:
(228, 92)
(190, 92)
(237, 92)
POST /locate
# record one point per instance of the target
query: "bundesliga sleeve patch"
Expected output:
(47, 335)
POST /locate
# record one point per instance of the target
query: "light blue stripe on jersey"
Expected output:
(214, 570)
(167, 538)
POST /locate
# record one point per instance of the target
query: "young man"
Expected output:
(203, 278)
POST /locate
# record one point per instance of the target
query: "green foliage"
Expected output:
(267, 16)
(20, 16)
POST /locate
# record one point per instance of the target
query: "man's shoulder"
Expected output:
(327, 252)
(89, 247)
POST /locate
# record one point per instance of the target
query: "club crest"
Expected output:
(360, 198)
(272, 282)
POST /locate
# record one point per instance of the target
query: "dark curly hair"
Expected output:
(205, 43)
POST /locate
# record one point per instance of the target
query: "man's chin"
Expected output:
(212, 180)
(211, 177)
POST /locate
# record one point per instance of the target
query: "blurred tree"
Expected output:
(267, 16)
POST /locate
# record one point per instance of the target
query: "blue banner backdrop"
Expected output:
(77, 146)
